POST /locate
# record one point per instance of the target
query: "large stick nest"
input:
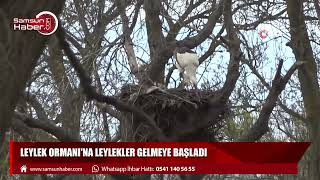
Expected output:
(186, 115)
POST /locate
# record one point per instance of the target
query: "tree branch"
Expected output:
(128, 44)
(91, 93)
(19, 52)
(233, 43)
(60, 133)
(194, 41)
(264, 82)
(260, 127)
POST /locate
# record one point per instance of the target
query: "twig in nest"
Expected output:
(193, 104)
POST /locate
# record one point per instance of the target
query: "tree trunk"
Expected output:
(19, 52)
(307, 73)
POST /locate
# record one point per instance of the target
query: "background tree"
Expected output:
(90, 82)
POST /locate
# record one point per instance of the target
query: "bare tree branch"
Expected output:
(317, 7)
(260, 127)
(32, 99)
(175, 28)
(233, 43)
(165, 52)
(45, 125)
(91, 93)
(18, 59)
(264, 82)
(216, 12)
(128, 44)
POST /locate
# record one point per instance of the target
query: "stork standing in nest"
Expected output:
(187, 62)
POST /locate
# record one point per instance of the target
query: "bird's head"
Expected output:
(183, 49)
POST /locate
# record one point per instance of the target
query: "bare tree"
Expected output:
(17, 64)
(108, 74)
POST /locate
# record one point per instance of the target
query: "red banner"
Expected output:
(155, 158)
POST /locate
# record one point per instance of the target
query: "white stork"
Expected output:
(187, 62)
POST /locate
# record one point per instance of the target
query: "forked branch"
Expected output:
(91, 93)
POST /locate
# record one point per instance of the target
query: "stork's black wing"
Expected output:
(184, 49)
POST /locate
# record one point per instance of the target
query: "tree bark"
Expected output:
(156, 39)
(19, 51)
(307, 74)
